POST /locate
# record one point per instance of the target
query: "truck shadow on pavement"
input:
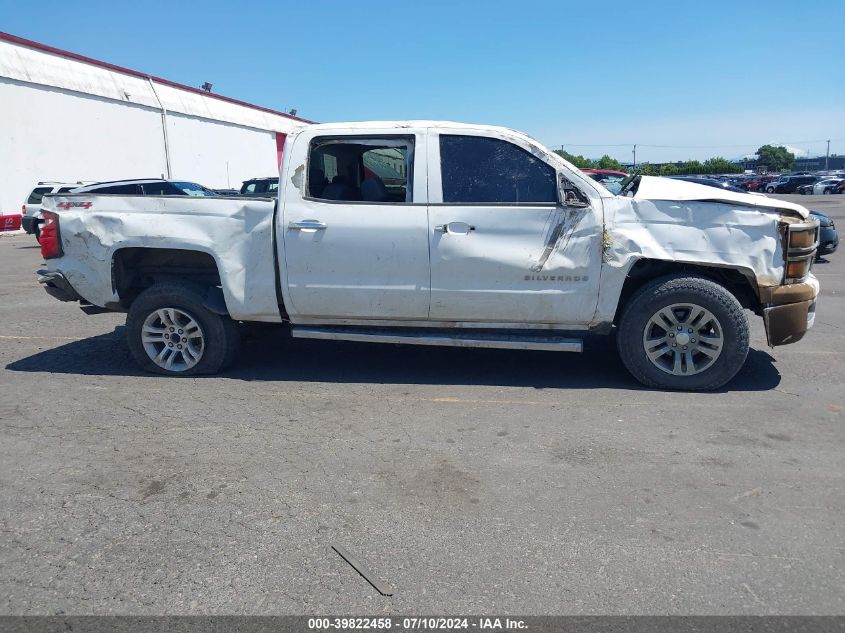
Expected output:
(271, 355)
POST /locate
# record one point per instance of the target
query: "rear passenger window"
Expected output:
(358, 169)
(37, 194)
(161, 189)
(125, 190)
(477, 169)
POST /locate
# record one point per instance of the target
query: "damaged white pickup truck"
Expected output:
(439, 233)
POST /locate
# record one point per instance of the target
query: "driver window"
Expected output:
(478, 169)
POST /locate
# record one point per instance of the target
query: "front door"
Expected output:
(355, 227)
(502, 248)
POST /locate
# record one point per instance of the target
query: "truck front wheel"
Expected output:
(684, 333)
(170, 332)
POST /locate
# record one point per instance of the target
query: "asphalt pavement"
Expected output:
(471, 481)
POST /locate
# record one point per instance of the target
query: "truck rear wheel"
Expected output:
(684, 333)
(170, 332)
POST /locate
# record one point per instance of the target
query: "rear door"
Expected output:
(354, 227)
(502, 249)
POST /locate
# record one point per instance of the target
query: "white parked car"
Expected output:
(31, 209)
(434, 233)
(826, 186)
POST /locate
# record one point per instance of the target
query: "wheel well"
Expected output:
(646, 270)
(136, 269)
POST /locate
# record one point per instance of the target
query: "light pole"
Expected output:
(827, 155)
(635, 155)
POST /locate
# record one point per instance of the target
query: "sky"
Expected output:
(682, 80)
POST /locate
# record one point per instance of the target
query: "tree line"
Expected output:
(774, 157)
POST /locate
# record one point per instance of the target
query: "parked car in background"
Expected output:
(828, 237)
(226, 192)
(806, 190)
(148, 187)
(751, 184)
(710, 182)
(260, 187)
(611, 179)
(788, 184)
(827, 186)
(31, 210)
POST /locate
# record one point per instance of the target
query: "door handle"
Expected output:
(454, 228)
(307, 225)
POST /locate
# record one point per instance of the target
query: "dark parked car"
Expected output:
(806, 190)
(710, 182)
(788, 184)
(828, 237)
(260, 187)
(147, 187)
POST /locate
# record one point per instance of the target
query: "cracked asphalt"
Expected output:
(472, 481)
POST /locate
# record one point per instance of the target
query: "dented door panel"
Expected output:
(523, 263)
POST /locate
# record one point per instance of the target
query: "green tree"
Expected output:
(668, 170)
(579, 161)
(776, 158)
(691, 167)
(719, 165)
(606, 162)
(647, 169)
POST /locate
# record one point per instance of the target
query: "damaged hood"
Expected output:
(656, 188)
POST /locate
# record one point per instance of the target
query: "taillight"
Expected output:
(23, 209)
(51, 244)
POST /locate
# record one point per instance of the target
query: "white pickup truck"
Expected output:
(439, 233)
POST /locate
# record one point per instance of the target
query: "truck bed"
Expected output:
(237, 232)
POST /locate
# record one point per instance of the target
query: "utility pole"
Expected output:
(635, 156)
(827, 155)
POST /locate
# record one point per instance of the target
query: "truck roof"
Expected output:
(413, 123)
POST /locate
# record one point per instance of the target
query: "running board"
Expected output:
(452, 339)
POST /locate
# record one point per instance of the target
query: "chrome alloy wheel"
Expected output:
(683, 339)
(172, 339)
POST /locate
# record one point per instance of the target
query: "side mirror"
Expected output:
(570, 196)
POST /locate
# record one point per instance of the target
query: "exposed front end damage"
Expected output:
(769, 242)
(789, 309)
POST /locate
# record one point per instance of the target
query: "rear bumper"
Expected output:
(789, 311)
(57, 286)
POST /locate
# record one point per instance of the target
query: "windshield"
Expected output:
(193, 189)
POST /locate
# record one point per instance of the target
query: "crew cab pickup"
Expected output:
(436, 233)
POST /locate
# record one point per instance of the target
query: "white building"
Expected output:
(68, 118)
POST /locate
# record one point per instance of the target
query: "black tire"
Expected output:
(36, 229)
(670, 290)
(221, 337)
